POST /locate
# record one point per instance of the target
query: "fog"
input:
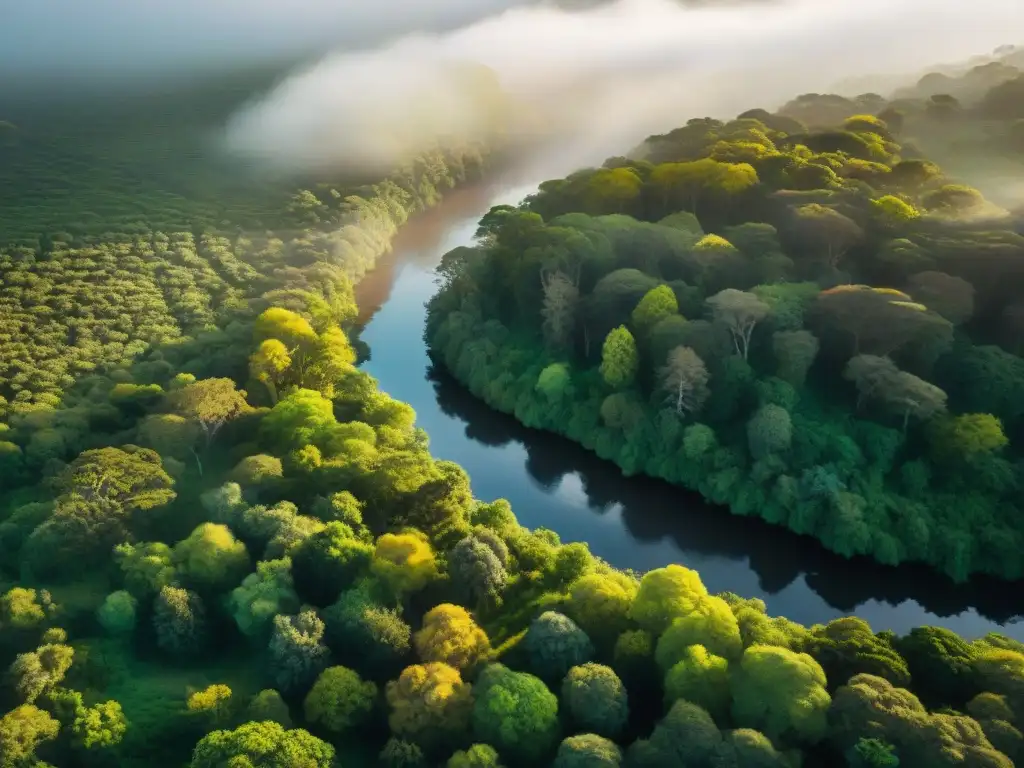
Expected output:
(125, 40)
(606, 76)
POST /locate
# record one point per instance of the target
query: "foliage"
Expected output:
(514, 712)
(339, 700)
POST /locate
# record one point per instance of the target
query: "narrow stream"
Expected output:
(637, 523)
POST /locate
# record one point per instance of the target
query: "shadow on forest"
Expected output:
(652, 510)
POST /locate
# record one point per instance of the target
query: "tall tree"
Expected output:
(739, 313)
(684, 378)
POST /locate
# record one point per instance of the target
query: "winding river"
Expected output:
(637, 523)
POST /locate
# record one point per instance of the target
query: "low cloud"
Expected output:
(606, 76)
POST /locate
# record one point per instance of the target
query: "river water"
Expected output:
(637, 523)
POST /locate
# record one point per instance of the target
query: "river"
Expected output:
(637, 523)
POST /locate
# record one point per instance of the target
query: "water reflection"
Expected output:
(638, 523)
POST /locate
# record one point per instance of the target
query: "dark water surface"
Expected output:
(637, 523)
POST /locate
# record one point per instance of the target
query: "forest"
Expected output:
(798, 314)
(222, 546)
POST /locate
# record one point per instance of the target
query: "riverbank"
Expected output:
(635, 522)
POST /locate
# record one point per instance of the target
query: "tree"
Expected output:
(781, 693)
(268, 705)
(405, 562)
(685, 736)
(845, 647)
(555, 644)
(967, 435)
(24, 609)
(179, 620)
(894, 212)
(657, 304)
(147, 567)
(168, 434)
(477, 570)
(619, 358)
(902, 392)
(599, 603)
(210, 403)
(22, 731)
(684, 378)
(872, 707)
(769, 431)
(366, 635)
(825, 232)
(664, 595)
(739, 313)
(340, 700)
(711, 624)
(795, 352)
(940, 664)
(398, 753)
(588, 751)
(871, 753)
(514, 712)
(953, 199)
(118, 613)
(952, 297)
(450, 635)
(297, 652)
(477, 756)
(268, 364)
(213, 703)
(40, 671)
(328, 561)
(261, 596)
(430, 705)
(699, 677)
(211, 559)
(595, 699)
(131, 478)
(265, 744)
(692, 185)
(558, 312)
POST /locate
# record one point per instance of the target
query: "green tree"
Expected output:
(477, 756)
(657, 304)
(179, 620)
(515, 712)
(268, 705)
(340, 700)
(711, 624)
(587, 751)
(297, 652)
(211, 558)
(619, 358)
(261, 596)
(118, 613)
(666, 594)
(599, 603)
(781, 693)
(555, 644)
(37, 672)
(699, 677)
(328, 561)
(265, 744)
(967, 435)
(596, 699)
(210, 403)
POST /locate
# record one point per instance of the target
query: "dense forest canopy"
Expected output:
(798, 314)
(222, 545)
